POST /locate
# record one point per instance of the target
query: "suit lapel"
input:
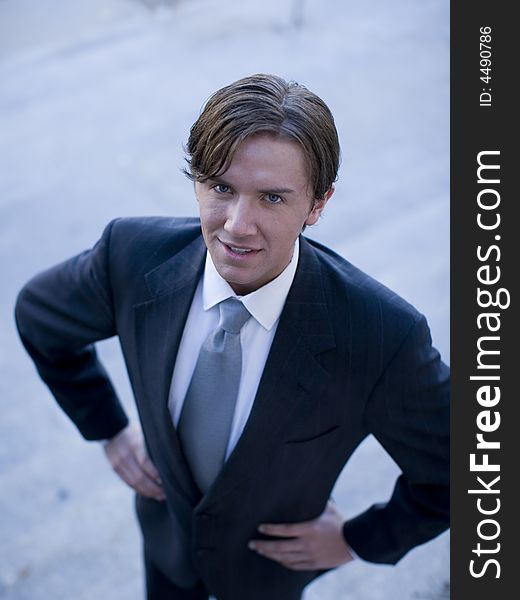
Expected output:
(292, 378)
(159, 325)
(291, 381)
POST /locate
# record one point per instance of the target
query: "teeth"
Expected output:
(240, 250)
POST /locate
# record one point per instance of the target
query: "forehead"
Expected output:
(267, 159)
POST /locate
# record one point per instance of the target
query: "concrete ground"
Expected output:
(96, 99)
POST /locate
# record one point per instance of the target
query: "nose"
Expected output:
(241, 218)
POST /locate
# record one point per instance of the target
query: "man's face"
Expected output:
(252, 214)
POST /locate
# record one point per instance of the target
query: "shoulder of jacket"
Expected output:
(136, 245)
(145, 235)
(155, 226)
(343, 280)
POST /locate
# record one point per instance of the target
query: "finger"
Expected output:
(296, 561)
(132, 473)
(148, 487)
(284, 557)
(285, 529)
(127, 468)
(288, 546)
(301, 566)
(144, 460)
(150, 469)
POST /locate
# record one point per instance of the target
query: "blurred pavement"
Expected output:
(96, 100)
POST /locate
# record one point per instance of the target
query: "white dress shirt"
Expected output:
(256, 337)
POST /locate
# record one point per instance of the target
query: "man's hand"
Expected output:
(317, 544)
(127, 454)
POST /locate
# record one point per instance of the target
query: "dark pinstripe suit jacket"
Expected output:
(349, 358)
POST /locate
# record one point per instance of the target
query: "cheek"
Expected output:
(283, 234)
(211, 215)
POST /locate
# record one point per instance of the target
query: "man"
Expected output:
(259, 361)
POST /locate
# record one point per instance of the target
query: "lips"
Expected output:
(239, 251)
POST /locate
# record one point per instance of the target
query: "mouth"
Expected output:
(239, 251)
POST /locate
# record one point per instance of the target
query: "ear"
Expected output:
(318, 207)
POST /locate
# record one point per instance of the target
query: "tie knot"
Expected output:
(233, 315)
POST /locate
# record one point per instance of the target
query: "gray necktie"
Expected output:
(208, 409)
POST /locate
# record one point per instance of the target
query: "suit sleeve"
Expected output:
(408, 412)
(60, 313)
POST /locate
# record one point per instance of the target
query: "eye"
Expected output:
(221, 188)
(273, 198)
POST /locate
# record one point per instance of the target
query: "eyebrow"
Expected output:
(266, 191)
(277, 191)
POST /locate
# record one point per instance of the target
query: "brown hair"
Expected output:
(264, 104)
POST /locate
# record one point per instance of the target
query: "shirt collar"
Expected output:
(265, 304)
